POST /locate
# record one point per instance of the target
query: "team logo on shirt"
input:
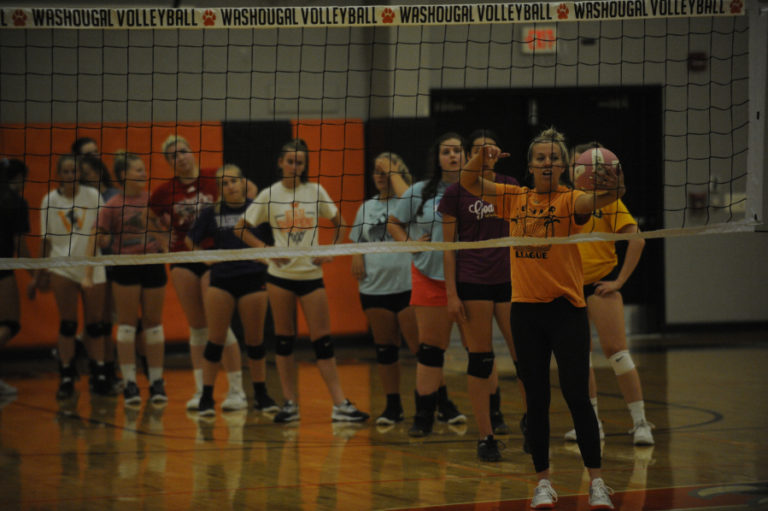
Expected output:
(295, 222)
(534, 222)
(482, 209)
(72, 219)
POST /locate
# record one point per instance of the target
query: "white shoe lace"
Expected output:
(544, 493)
(644, 424)
(600, 494)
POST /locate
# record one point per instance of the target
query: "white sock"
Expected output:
(637, 410)
(155, 373)
(235, 380)
(198, 374)
(129, 372)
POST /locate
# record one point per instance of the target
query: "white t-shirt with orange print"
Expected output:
(542, 273)
(293, 215)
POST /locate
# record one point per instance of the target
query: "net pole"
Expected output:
(757, 184)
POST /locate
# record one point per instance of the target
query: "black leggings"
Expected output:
(540, 329)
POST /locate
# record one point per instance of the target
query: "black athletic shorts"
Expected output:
(198, 269)
(5, 273)
(297, 287)
(589, 289)
(240, 285)
(145, 275)
(496, 293)
(395, 302)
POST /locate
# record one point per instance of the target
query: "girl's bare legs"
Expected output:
(315, 308)
(283, 303)
(478, 333)
(66, 292)
(386, 335)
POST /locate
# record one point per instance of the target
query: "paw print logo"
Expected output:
(562, 12)
(387, 15)
(736, 6)
(209, 18)
(19, 18)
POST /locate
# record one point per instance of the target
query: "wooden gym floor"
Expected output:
(704, 392)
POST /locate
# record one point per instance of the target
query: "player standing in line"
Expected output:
(234, 284)
(478, 290)
(127, 226)
(385, 280)
(416, 217)
(548, 308)
(179, 201)
(603, 280)
(293, 206)
(13, 229)
(68, 227)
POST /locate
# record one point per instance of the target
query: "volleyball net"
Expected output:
(675, 88)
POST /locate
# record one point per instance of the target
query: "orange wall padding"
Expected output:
(40, 145)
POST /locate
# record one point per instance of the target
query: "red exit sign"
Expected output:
(539, 39)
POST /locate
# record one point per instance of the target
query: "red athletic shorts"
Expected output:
(427, 292)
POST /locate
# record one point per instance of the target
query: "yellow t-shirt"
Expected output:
(542, 273)
(599, 257)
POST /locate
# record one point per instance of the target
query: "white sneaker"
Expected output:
(194, 402)
(571, 435)
(544, 496)
(600, 495)
(642, 433)
(235, 400)
(7, 390)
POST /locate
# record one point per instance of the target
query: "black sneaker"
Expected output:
(524, 431)
(266, 404)
(488, 449)
(390, 416)
(206, 407)
(288, 413)
(447, 412)
(66, 389)
(497, 423)
(100, 385)
(157, 392)
(347, 412)
(422, 425)
(131, 394)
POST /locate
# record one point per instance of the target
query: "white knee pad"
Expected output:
(126, 333)
(622, 362)
(155, 335)
(231, 338)
(198, 336)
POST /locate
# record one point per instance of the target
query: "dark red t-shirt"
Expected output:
(180, 204)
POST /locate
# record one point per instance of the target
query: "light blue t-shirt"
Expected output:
(430, 221)
(384, 273)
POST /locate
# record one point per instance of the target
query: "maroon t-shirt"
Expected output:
(476, 220)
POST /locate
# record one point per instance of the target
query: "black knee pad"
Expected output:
(387, 354)
(213, 352)
(11, 325)
(284, 344)
(430, 356)
(107, 328)
(94, 330)
(68, 328)
(256, 352)
(323, 348)
(480, 365)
